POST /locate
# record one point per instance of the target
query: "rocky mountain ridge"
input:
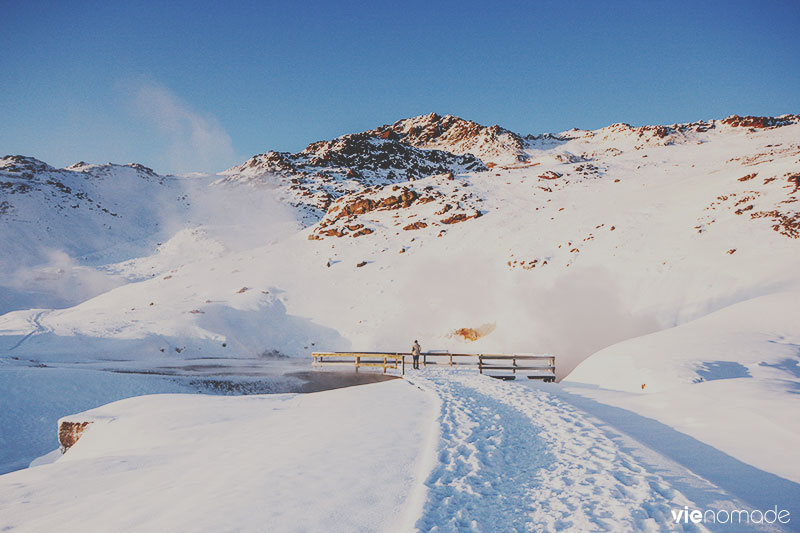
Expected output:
(674, 221)
(80, 207)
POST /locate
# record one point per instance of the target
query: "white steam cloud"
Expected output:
(192, 140)
(58, 282)
(572, 316)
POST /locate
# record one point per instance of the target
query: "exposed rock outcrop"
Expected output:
(70, 432)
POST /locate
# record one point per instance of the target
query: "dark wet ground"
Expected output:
(320, 380)
(231, 376)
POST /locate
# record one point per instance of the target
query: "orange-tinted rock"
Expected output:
(445, 209)
(416, 225)
(751, 122)
(460, 217)
(364, 231)
(69, 433)
(794, 179)
(550, 175)
(405, 199)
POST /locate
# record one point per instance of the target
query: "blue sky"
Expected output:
(183, 86)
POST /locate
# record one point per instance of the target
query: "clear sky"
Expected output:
(183, 86)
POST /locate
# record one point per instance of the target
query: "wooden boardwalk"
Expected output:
(530, 365)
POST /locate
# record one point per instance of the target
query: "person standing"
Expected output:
(416, 349)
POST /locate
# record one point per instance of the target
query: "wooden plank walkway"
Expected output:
(532, 366)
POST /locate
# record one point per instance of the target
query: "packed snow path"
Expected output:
(512, 458)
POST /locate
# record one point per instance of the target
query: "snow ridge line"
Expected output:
(425, 464)
(511, 458)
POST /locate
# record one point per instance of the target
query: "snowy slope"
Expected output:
(56, 225)
(730, 379)
(312, 179)
(599, 237)
(78, 210)
(63, 230)
(200, 463)
(581, 241)
(491, 144)
(465, 453)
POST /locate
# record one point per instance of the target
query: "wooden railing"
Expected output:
(366, 359)
(533, 366)
(509, 362)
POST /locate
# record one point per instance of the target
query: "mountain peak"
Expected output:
(456, 135)
(22, 164)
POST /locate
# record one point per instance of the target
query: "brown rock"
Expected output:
(364, 231)
(794, 179)
(443, 210)
(69, 433)
(405, 199)
(751, 122)
(550, 175)
(460, 217)
(416, 225)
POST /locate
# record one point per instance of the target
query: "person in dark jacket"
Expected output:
(416, 349)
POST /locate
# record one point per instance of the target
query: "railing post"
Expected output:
(451, 359)
(404, 365)
(480, 363)
(358, 359)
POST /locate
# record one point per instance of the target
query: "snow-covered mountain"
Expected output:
(491, 144)
(313, 179)
(69, 234)
(669, 252)
(564, 242)
(77, 209)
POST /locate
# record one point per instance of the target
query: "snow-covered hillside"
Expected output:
(434, 226)
(70, 234)
(443, 450)
(593, 238)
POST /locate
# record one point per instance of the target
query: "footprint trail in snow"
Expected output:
(512, 458)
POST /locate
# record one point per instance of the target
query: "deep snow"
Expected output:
(444, 450)
(659, 264)
(341, 460)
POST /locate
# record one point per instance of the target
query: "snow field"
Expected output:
(341, 460)
(512, 458)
